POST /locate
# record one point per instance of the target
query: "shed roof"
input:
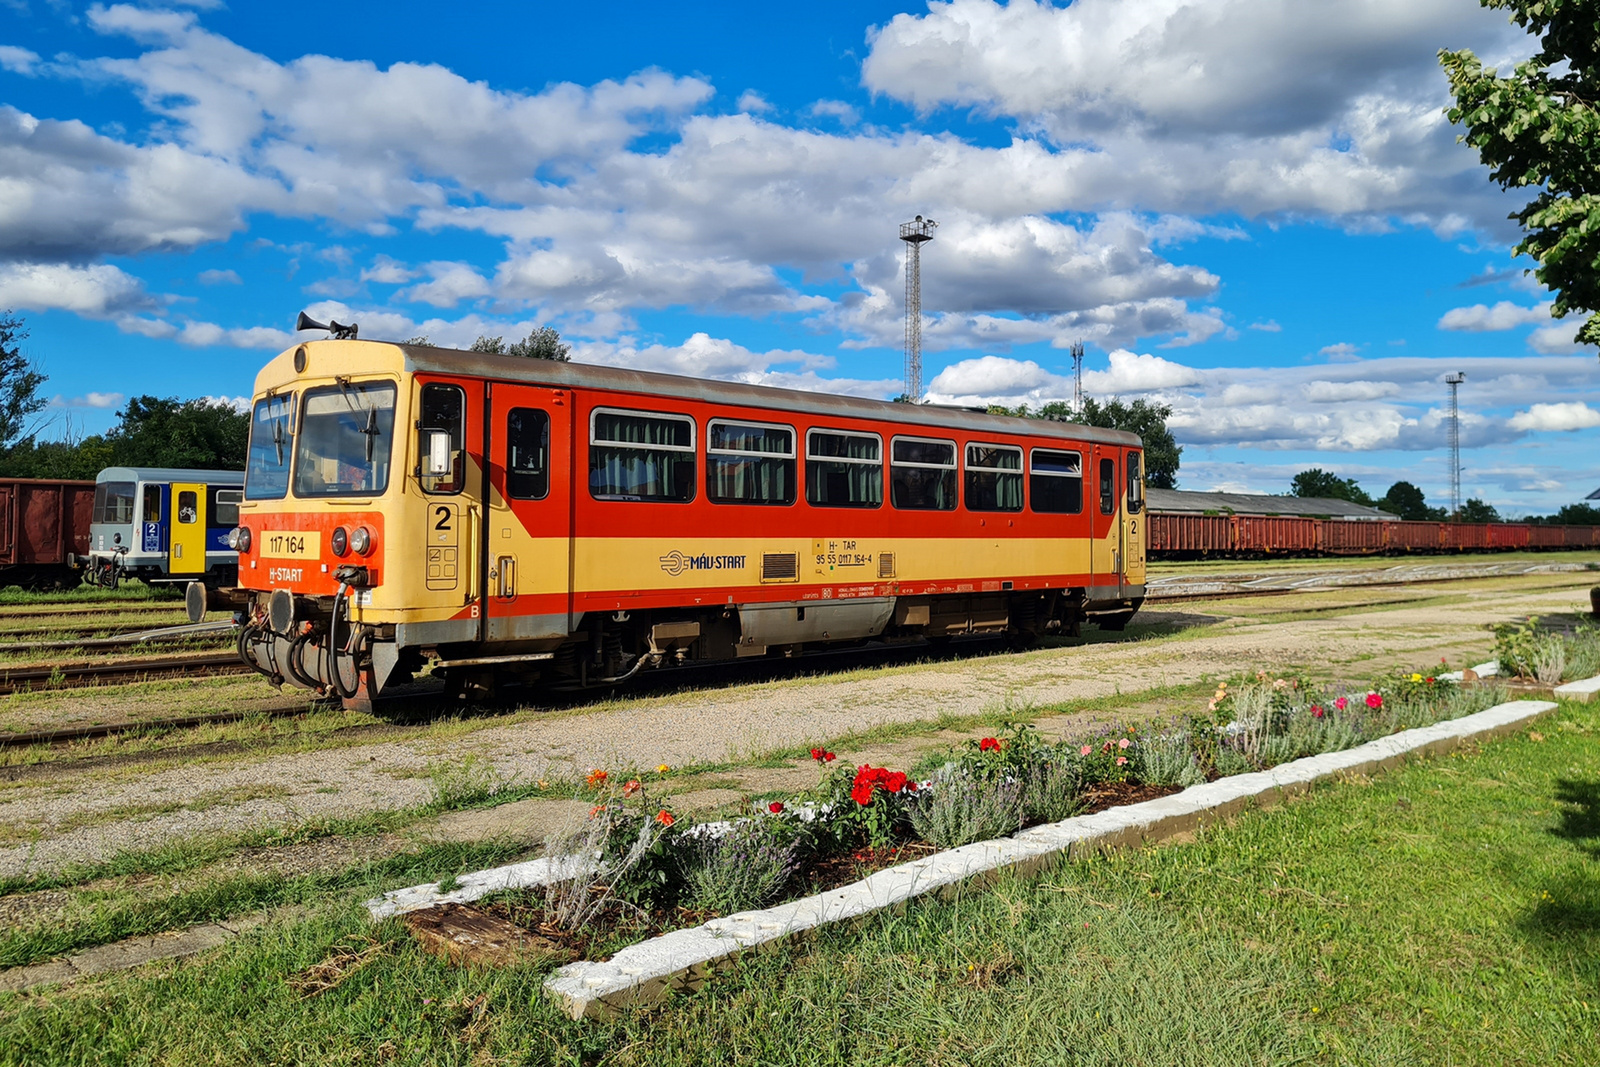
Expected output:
(1260, 504)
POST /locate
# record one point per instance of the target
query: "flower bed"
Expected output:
(654, 871)
(1530, 652)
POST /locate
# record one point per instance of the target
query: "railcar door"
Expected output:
(529, 513)
(1105, 549)
(188, 552)
(1134, 522)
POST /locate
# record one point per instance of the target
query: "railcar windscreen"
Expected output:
(749, 463)
(1056, 487)
(844, 470)
(922, 474)
(113, 503)
(641, 456)
(345, 436)
(994, 478)
(266, 474)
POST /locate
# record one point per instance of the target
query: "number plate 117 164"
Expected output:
(290, 544)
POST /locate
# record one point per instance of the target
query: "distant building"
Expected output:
(1594, 495)
(1310, 507)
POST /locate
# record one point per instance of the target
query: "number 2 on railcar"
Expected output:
(509, 519)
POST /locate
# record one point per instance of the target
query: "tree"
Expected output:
(1407, 502)
(1537, 129)
(166, 432)
(1576, 515)
(1327, 485)
(19, 384)
(543, 343)
(1162, 453)
(1475, 510)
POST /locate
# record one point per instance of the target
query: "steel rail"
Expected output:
(111, 672)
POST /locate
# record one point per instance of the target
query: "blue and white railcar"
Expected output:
(164, 525)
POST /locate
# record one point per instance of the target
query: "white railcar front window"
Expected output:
(346, 433)
(266, 475)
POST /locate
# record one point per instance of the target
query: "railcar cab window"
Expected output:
(922, 474)
(527, 454)
(994, 478)
(343, 447)
(272, 428)
(222, 508)
(641, 455)
(1135, 485)
(443, 411)
(113, 503)
(844, 470)
(1108, 486)
(749, 463)
(1056, 485)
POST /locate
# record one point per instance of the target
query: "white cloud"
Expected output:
(1343, 352)
(750, 100)
(386, 270)
(18, 60)
(98, 401)
(98, 291)
(835, 109)
(1134, 373)
(219, 277)
(1573, 415)
(1505, 315)
(1555, 339)
(1269, 326)
(448, 285)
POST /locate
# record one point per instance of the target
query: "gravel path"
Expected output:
(88, 816)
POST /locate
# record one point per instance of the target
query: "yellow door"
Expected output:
(188, 553)
(1134, 519)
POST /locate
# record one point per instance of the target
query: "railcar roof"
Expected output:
(590, 376)
(169, 474)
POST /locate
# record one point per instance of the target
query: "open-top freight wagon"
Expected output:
(1185, 535)
(44, 532)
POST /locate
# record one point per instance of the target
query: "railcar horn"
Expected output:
(340, 332)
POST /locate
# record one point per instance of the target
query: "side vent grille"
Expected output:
(780, 567)
(885, 564)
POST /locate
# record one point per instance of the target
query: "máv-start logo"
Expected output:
(675, 563)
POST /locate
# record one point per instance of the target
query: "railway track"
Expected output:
(115, 672)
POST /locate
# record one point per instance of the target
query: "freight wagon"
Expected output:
(44, 532)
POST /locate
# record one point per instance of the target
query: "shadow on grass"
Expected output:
(1580, 814)
(1567, 917)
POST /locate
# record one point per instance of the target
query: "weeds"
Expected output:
(465, 782)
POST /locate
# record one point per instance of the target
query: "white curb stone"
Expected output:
(480, 884)
(685, 959)
(1583, 690)
(1482, 670)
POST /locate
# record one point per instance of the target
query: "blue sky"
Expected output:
(1252, 210)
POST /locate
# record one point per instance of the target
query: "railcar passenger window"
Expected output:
(749, 463)
(444, 408)
(222, 509)
(344, 445)
(844, 470)
(637, 455)
(152, 503)
(1108, 486)
(1135, 485)
(188, 507)
(922, 474)
(1056, 486)
(527, 454)
(994, 478)
(272, 430)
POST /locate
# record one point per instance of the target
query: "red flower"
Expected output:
(911, 787)
(1121, 760)
(861, 793)
(989, 744)
(596, 778)
(775, 807)
(828, 757)
(1316, 710)
(665, 818)
(895, 782)
(817, 755)
(1374, 701)
(631, 788)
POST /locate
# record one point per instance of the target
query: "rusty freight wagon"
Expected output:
(507, 519)
(44, 532)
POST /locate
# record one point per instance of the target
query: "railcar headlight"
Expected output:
(361, 540)
(341, 541)
(239, 539)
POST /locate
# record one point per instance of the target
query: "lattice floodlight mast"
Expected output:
(914, 234)
(1077, 378)
(1454, 382)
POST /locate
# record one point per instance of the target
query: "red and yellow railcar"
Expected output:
(516, 519)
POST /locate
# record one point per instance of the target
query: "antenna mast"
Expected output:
(1077, 379)
(1454, 382)
(914, 234)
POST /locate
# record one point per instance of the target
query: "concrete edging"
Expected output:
(686, 959)
(1583, 690)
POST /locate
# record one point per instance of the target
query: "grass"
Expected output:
(1447, 913)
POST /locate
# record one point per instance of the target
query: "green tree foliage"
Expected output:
(1162, 453)
(1577, 515)
(543, 343)
(19, 384)
(1475, 510)
(1537, 130)
(1406, 501)
(80, 458)
(1322, 484)
(166, 432)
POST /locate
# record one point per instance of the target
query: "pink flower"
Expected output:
(1121, 760)
(1374, 701)
(1086, 750)
(1123, 744)
(775, 807)
(1341, 703)
(1316, 711)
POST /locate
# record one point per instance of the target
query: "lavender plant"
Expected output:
(746, 867)
(961, 807)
